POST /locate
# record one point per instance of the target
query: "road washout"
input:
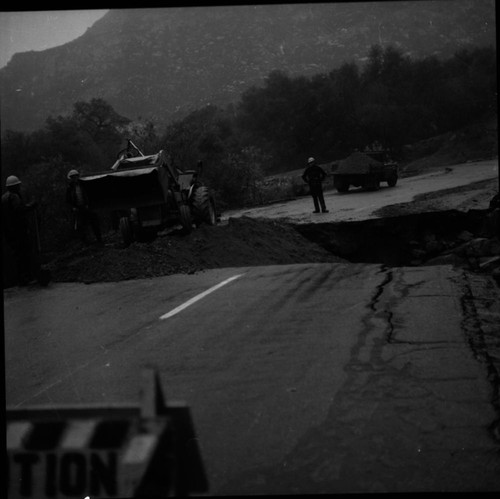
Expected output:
(422, 232)
(441, 237)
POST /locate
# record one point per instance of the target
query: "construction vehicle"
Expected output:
(365, 169)
(146, 194)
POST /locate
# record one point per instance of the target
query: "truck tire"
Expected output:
(126, 231)
(371, 184)
(186, 219)
(392, 180)
(204, 206)
(342, 185)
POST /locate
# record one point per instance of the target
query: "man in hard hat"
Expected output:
(83, 216)
(314, 175)
(16, 229)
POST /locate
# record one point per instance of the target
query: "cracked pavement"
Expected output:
(302, 379)
(419, 410)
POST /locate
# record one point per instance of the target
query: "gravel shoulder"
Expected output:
(473, 196)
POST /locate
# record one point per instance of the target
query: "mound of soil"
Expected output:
(357, 163)
(239, 243)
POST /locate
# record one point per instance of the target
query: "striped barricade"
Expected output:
(104, 451)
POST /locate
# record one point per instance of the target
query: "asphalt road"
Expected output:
(320, 378)
(357, 204)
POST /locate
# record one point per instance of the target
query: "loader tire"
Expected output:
(204, 206)
(186, 219)
(126, 231)
(392, 180)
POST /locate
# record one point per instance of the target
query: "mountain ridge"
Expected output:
(160, 64)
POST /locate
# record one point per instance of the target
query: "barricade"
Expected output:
(146, 450)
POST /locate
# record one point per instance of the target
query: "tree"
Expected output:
(15, 153)
(143, 134)
(66, 140)
(374, 65)
(99, 120)
(273, 116)
(342, 125)
(236, 177)
(204, 135)
(88, 139)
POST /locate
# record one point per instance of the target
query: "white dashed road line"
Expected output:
(198, 297)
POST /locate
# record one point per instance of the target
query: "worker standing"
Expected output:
(83, 215)
(16, 229)
(314, 175)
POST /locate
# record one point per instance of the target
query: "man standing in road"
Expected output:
(16, 229)
(76, 198)
(314, 175)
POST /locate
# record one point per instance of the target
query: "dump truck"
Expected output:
(365, 169)
(146, 194)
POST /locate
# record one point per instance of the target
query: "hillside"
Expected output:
(475, 142)
(160, 64)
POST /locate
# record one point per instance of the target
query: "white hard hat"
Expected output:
(12, 180)
(311, 160)
(73, 173)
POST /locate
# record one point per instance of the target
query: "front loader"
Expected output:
(147, 194)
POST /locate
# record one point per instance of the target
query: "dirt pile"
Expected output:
(239, 243)
(357, 163)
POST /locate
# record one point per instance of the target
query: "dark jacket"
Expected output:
(14, 211)
(72, 198)
(314, 175)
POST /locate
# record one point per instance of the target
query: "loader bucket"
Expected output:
(125, 189)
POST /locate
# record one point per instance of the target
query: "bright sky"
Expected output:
(40, 30)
